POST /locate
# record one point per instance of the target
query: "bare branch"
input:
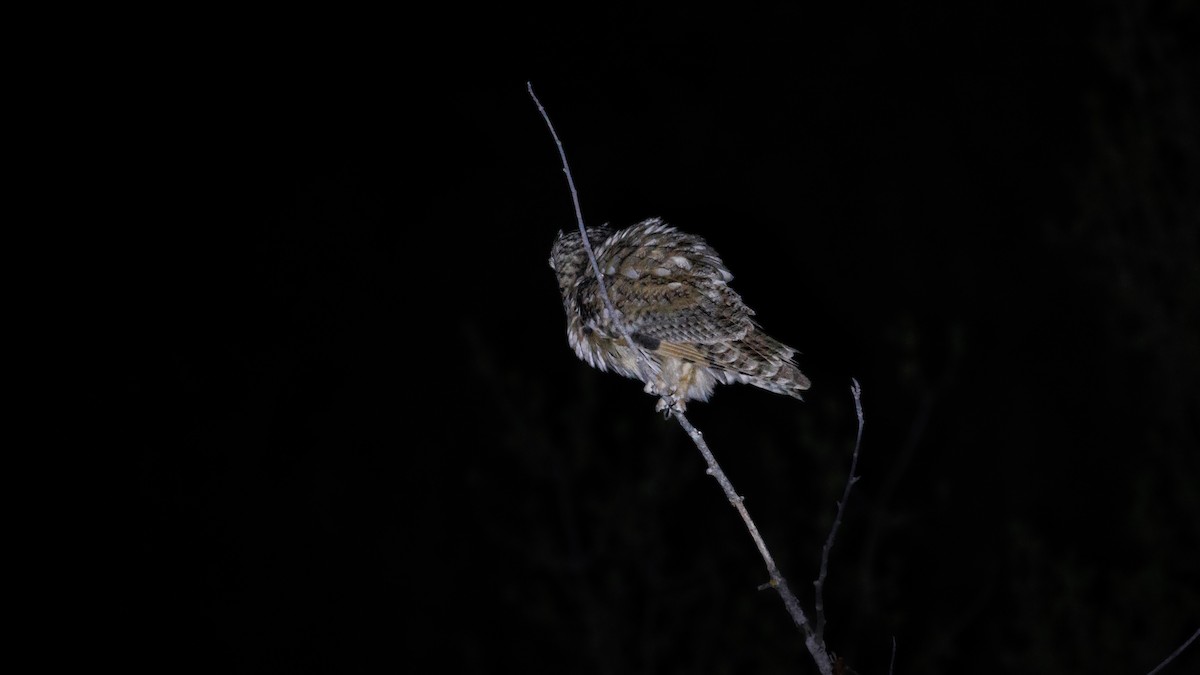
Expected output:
(815, 645)
(819, 584)
(1177, 652)
(892, 663)
(812, 640)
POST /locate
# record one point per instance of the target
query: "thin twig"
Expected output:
(1177, 652)
(892, 663)
(819, 584)
(614, 315)
(574, 200)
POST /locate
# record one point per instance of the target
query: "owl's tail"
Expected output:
(768, 364)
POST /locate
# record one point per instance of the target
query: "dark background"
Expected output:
(371, 444)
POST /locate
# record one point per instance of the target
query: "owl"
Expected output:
(672, 292)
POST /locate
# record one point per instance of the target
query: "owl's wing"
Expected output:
(684, 320)
(712, 327)
(672, 290)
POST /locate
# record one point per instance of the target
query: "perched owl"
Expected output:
(672, 292)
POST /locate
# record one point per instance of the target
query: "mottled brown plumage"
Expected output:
(672, 292)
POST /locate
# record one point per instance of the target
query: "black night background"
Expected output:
(372, 449)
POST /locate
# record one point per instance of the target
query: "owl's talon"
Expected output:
(668, 404)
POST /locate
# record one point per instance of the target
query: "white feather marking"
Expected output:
(631, 273)
(662, 271)
(681, 262)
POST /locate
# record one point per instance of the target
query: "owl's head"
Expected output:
(568, 258)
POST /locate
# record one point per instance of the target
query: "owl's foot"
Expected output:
(668, 404)
(668, 398)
